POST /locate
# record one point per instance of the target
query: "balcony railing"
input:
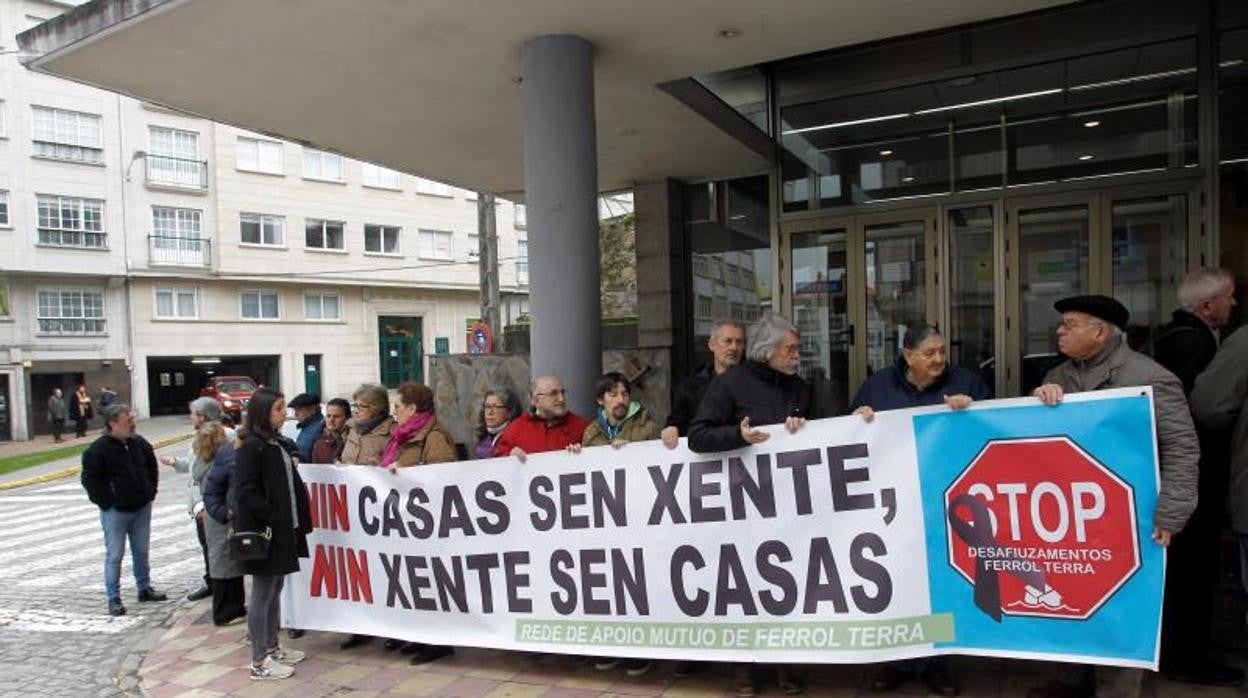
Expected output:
(179, 251)
(177, 173)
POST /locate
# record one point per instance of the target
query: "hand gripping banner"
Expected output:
(1009, 529)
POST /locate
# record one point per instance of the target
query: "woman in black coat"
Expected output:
(271, 496)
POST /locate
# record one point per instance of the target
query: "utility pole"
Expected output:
(487, 259)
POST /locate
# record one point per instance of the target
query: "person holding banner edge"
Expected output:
(1091, 337)
(921, 376)
(764, 389)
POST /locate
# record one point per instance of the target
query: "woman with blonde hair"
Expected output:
(205, 414)
(368, 432)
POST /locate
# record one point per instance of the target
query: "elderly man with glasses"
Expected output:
(1091, 337)
(547, 426)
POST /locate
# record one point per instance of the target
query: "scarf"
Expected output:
(611, 431)
(363, 428)
(402, 433)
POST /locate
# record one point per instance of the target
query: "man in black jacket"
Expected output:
(727, 343)
(120, 476)
(1186, 345)
(763, 389)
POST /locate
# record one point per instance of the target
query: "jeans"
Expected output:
(119, 525)
(264, 614)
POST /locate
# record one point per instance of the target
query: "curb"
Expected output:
(75, 469)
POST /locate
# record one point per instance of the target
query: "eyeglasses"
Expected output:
(488, 406)
(552, 393)
(362, 406)
(1075, 324)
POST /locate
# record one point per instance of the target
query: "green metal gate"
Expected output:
(399, 345)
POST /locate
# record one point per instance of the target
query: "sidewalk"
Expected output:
(194, 658)
(157, 430)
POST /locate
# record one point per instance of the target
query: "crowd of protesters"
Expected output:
(249, 480)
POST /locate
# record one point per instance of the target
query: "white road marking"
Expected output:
(22, 514)
(83, 554)
(53, 530)
(48, 621)
(24, 498)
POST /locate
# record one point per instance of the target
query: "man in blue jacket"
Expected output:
(120, 476)
(310, 421)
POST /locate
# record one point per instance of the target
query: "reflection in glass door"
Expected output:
(821, 313)
(972, 291)
(1053, 247)
(1149, 259)
(896, 287)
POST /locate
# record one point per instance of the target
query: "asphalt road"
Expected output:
(56, 637)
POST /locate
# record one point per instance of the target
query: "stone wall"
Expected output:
(460, 380)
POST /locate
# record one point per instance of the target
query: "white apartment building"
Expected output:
(146, 250)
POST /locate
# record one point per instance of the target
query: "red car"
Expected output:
(233, 392)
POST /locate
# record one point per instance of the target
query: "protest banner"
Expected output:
(1009, 529)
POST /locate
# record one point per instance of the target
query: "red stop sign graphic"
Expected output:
(1040, 528)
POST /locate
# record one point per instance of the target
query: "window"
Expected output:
(4, 207)
(703, 308)
(432, 188)
(259, 305)
(71, 311)
(380, 177)
(381, 239)
(321, 306)
(68, 135)
(435, 244)
(522, 263)
(170, 222)
(173, 158)
(318, 164)
(5, 310)
(71, 222)
(262, 229)
(323, 235)
(474, 247)
(177, 303)
(259, 156)
(521, 215)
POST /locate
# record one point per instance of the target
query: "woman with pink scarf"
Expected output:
(418, 439)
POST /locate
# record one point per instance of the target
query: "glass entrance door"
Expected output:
(897, 295)
(820, 310)
(972, 280)
(1149, 256)
(1053, 247)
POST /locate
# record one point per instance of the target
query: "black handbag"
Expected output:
(248, 546)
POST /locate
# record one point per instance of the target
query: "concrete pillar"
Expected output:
(561, 195)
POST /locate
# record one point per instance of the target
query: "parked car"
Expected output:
(233, 392)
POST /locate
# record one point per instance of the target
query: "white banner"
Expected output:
(810, 547)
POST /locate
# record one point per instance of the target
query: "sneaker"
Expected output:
(637, 667)
(606, 663)
(289, 657)
(270, 670)
(115, 608)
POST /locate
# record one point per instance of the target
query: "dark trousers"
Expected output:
(80, 426)
(1192, 572)
(203, 548)
(228, 600)
(58, 428)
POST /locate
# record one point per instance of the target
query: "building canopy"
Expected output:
(433, 88)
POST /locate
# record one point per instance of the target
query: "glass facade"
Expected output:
(1123, 111)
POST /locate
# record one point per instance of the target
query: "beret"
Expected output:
(304, 400)
(1102, 307)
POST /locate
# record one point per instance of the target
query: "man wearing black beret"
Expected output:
(1091, 338)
